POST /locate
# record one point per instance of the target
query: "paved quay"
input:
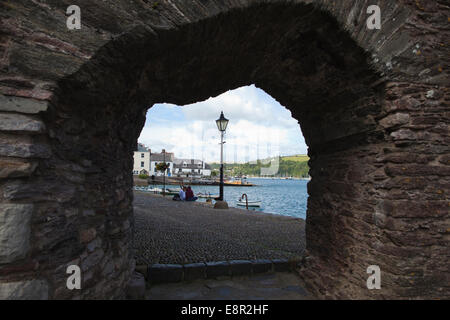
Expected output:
(275, 286)
(175, 232)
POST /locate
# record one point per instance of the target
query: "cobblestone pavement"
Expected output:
(275, 286)
(169, 231)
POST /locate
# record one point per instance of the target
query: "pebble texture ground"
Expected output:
(169, 231)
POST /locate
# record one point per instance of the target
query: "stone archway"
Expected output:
(372, 106)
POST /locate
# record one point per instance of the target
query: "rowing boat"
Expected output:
(207, 195)
(250, 203)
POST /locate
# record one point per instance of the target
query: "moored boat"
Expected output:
(207, 195)
(250, 203)
(238, 183)
(171, 191)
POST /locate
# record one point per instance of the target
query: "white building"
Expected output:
(155, 158)
(145, 162)
(142, 160)
(191, 167)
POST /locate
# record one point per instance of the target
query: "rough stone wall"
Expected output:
(394, 198)
(373, 106)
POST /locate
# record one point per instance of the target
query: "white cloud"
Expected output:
(259, 127)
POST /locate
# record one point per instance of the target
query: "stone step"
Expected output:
(171, 273)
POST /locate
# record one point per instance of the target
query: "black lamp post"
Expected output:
(164, 173)
(222, 123)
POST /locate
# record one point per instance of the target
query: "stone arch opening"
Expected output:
(303, 59)
(189, 132)
(348, 111)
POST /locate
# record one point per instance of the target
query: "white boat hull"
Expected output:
(250, 203)
(207, 196)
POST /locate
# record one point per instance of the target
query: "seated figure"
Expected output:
(190, 195)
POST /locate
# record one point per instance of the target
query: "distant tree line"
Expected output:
(289, 167)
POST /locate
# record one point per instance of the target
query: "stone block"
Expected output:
(404, 134)
(165, 273)
(240, 267)
(92, 259)
(39, 190)
(194, 271)
(281, 265)
(14, 231)
(23, 146)
(261, 266)
(217, 269)
(87, 235)
(24, 290)
(136, 287)
(395, 119)
(22, 105)
(142, 269)
(20, 123)
(94, 244)
(16, 168)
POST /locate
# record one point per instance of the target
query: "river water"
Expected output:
(283, 197)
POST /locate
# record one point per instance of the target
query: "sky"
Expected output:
(259, 128)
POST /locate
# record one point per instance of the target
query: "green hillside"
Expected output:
(299, 157)
(290, 166)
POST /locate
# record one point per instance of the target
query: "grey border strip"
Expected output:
(171, 273)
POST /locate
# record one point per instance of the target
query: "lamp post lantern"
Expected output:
(222, 124)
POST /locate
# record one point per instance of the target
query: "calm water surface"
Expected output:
(284, 197)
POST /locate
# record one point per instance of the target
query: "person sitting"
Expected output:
(182, 193)
(190, 195)
(178, 196)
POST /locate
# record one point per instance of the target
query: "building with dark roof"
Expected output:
(155, 158)
(145, 161)
(142, 148)
(191, 167)
(141, 160)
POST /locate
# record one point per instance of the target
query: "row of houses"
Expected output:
(146, 161)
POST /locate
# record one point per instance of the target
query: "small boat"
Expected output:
(172, 192)
(250, 203)
(206, 195)
(238, 183)
(167, 192)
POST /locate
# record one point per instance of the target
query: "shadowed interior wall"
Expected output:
(373, 110)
